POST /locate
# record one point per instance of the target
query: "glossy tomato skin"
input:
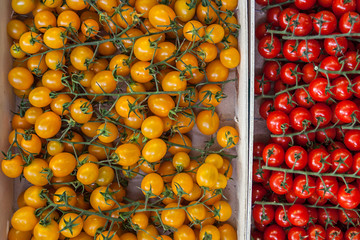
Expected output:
(296, 233)
(339, 7)
(274, 232)
(304, 4)
(348, 216)
(341, 89)
(330, 216)
(262, 30)
(316, 232)
(341, 160)
(258, 148)
(353, 233)
(269, 47)
(320, 114)
(276, 180)
(309, 51)
(273, 155)
(286, 15)
(266, 107)
(281, 214)
(327, 187)
(346, 111)
(318, 90)
(262, 86)
(301, 24)
(336, 46)
(298, 215)
(283, 102)
(300, 119)
(330, 63)
(352, 140)
(290, 50)
(356, 164)
(258, 192)
(260, 175)
(334, 233)
(290, 73)
(319, 160)
(263, 214)
(302, 98)
(348, 196)
(328, 25)
(309, 73)
(272, 16)
(277, 122)
(296, 158)
(303, 186)
(271, 70)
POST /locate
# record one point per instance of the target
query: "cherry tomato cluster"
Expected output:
(307, 176)
(109, 91)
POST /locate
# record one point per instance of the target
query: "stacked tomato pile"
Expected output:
(307, 176)
(108, 91)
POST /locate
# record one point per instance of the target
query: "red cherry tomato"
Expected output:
(308, 50)
(340, 7)
(348, 196)
(290, 50)
(277, 122)
(320, 114)
(352, 140)
(286, 15)
(266, 107)
(269, 47)
(300, 24)
(327, 187)
(341, 89)
(319, 160)
(318, 90)
(279, 183)
(283, 102)
(263, 214)
(341, 160)
(281, 218)
(349, 22)
(300, 118)
(274, 232)
(298, 215)
(302, 98)
(346, 111)
(304, 186)
(330, 63)
(290, 73)
(296, 158)
(271, 70)
(296, 233)
(336, 46)
(273, 155)
(324, 22)
(334, 233)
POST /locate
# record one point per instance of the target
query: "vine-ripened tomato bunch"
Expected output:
(307, 176)
(109, 91)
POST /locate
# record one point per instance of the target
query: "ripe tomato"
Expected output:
(315, 232)
(75, 230)
(300, 24)
(273, 155)
(346, 111)
(304, 186)
(227, 137)
(161, 16)
(348, 196)
(259, 174)
(330, 63)
(274, 232)
(327, 187)
(308, 50)
(278, 122)
(324, 22)
(318, 90)
(280, 182)
(13, 167)
(81, 110)
(269, 47)
(263, 214)
(305, 4)
(24, 219)
(296, 233)
(340, 7)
